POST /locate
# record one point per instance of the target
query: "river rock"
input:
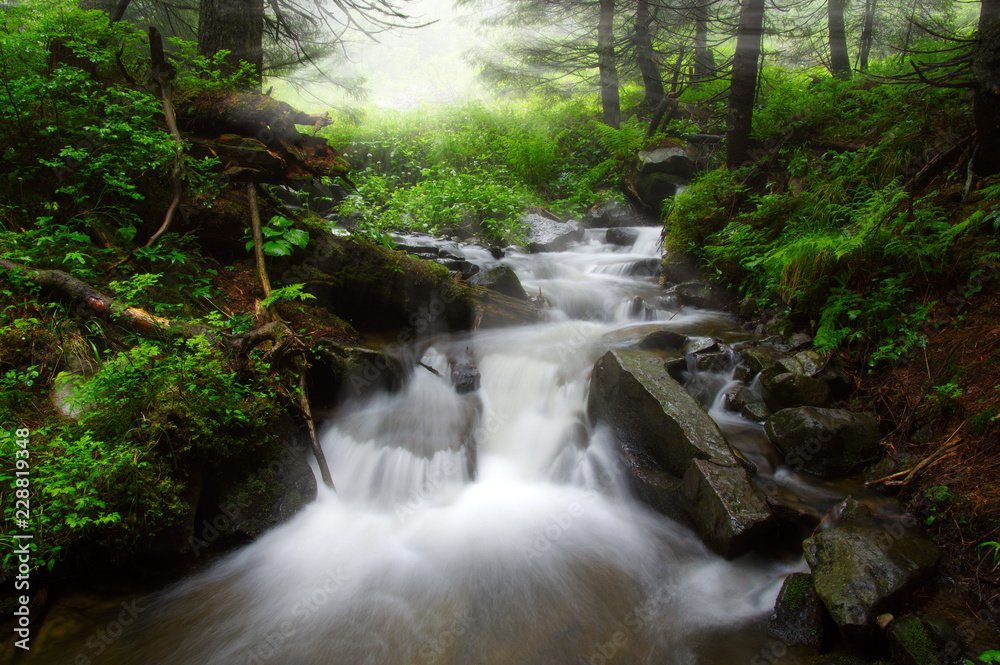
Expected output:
(798, 613)
(613, 213)
(697, 345)
(697, 294)
(712, 362)
(663, 339)
(633, 392)
(670, 160)
(658, 490)
(738, 398)
(643, 268)
(927, 640)
(790, 389)
(859, 571)
(758, 358)
(730, 515)
(625, 237)
(546, 235)
(825, 442)
(655, 188)
(501, 279)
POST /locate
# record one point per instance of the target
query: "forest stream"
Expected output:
(491, 526)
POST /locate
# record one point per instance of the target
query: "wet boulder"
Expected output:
(547, 235)
(501, 279)
(861, 571)
(798, 613)
(825, 442)
(625, 237)
(928, 640)
(747, 403)
(655, 488)
(633, 392)
(729, 514)
(663, 339)
(671, 160)
(613, 213)
(790, 389)
(697, 294)
(757, 358)
(655, 188)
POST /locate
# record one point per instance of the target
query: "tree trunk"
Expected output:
(651, 81)
(606, 65)
(986, 71)
(840, 61)
(866, 35)
(236, 26)
(743, 87)
(704, 61)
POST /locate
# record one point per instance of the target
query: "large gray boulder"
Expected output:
(825, 442)
(729, 514)
(697, 294)
(671, 160)
(501, 279)
(861, 571)
(791, 389)
(613, 214)
(656, 419)
(798, 613)
(546, 235)
(634, 393)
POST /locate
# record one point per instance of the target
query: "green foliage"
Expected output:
(938, 499)
(290, 292)
(204, 74)
(280, 238)
(992, 551)
(476, 167)
(694, 213)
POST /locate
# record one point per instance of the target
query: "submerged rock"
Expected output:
(633, 392)
(546, 235)
(860, 571)
(825, 442)
(798, 613)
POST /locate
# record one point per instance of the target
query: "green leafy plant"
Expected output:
(289, 292)
(280, 237)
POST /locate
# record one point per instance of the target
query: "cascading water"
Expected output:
(489, 527)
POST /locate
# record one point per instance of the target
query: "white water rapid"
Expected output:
(542, 557)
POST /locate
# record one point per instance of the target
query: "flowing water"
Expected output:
(493, 527)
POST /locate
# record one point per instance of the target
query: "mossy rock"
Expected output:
(825, 442)
(798, 613)
(861, 571)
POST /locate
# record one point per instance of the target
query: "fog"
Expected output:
(408, 67)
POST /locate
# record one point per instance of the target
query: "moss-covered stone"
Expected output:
(798, 613)
(860, 571)
(825, 442)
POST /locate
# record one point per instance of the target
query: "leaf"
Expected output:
(277, 248)
(297, 237)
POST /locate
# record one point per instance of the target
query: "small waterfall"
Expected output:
(537, 555)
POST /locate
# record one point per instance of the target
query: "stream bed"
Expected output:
(490, 527)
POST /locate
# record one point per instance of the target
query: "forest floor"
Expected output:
(943, 406)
